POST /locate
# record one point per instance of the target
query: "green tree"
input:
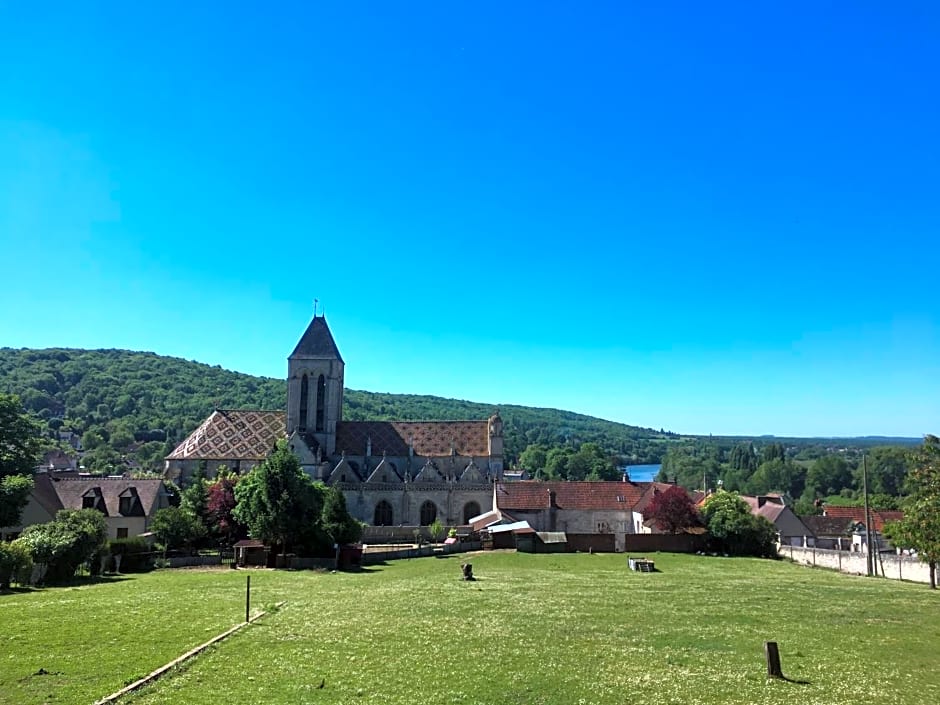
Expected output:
(534, 458)
(887, 470)
(176, 527)
(195, 496)
(335, 520)
(828, 475)
(920, 527)
(278, 502)
(19, 444)
(14, 496)
(734, 530)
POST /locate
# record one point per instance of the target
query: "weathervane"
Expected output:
(315, 302)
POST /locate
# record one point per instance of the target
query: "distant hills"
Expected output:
(141, 404)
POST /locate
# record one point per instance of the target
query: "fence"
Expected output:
(888, 565)
(667, 543)
(370, 557)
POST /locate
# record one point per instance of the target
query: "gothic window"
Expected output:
(321, 401)
(470, 510)
(428, 513)
(383, 514)
(302, 423)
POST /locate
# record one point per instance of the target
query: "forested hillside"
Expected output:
(139, 405)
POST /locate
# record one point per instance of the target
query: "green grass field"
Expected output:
(533, 629)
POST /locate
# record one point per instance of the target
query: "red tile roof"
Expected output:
(857, 514)
(529, 495)
(430, 438)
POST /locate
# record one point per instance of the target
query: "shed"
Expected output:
(543, 542)
(251, 552)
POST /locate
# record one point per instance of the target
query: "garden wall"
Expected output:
(890, 565)
(667, 543)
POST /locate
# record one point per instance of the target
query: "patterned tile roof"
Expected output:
(430, 438)
(529, 495)
(317, 341)
(230, 434)
(857, 514)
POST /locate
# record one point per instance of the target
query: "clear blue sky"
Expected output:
(713, 218)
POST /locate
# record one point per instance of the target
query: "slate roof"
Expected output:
(45, 493)
(768, 506)
(317, 341)
(72, 490)
(233, 434)
(827, 526)
(533, 495)
(857, 514)
(430, 438)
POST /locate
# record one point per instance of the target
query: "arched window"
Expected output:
(470, 510)
(383, 514)
(302, 423)
(428, 513)
(321, 401)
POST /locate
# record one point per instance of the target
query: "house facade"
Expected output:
(127, 505)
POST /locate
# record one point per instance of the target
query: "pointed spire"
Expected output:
(317, 341)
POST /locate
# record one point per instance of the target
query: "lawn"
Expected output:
(532, 629)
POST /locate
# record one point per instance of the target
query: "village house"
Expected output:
(791, 531)
(127, 505)
(844, 527)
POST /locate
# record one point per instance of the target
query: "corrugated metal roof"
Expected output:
(553, 536)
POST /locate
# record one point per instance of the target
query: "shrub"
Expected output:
(62, 545)
(16, 563)
(135, 554)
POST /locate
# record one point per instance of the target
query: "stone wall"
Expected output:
(890, 565)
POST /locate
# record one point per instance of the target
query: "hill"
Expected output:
(137, 406)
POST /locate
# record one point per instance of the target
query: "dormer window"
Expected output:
(129, 503)
(94, 499)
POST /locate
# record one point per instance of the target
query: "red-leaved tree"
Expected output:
(219, 508)
(673, 511)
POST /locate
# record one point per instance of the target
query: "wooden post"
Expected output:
(247, 595)
(773, 660)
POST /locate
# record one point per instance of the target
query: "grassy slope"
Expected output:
(533, 629)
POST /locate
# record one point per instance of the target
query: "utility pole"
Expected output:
(869, 560)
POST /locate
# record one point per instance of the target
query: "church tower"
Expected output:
(315, 387)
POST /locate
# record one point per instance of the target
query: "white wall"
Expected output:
(895, 567)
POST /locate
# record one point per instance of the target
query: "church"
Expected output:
(392, 473)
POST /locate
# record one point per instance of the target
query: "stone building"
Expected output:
(392, 473)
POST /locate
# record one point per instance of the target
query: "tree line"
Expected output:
(133, 408)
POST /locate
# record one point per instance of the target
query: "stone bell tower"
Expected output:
(315, 386)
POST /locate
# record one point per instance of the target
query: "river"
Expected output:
(642, 473)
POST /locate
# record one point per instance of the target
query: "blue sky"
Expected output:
(713, 218)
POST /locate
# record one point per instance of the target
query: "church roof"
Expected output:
(230, 434)
(430, 438)
(317, 341)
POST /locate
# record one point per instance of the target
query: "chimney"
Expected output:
(551, 499)
(552, 510)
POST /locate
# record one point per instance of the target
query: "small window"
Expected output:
(122, 532)
(384, 478)
(89, 501)
(342, 478)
